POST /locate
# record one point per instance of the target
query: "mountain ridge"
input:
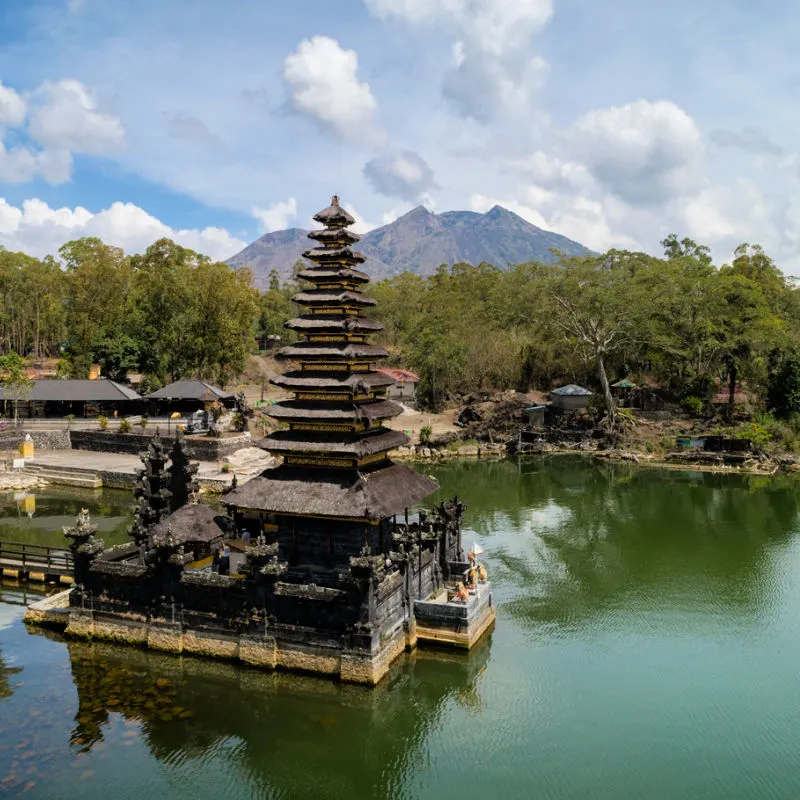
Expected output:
(419, 241)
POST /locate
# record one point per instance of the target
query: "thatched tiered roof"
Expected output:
(358, 494)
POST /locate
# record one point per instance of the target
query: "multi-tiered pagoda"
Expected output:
(328, 580)
(335, 445)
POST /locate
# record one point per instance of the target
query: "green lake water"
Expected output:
(647, 646)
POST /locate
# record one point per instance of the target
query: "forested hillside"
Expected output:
(679, 321)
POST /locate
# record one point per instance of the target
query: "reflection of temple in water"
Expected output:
(296, 736)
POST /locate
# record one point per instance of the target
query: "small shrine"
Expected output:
(320, 564)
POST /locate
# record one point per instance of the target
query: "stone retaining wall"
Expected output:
(203, 448)
(42, 440)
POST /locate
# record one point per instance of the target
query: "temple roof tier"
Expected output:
(356, 494)
(305, 411)
(330, 274)
(382, 440)
(334, 236)
(326, 297)
(320, 324)
(336, 254)
(345, 381)
(334, 351)
(334, 215)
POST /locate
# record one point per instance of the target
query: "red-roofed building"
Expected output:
(405, 383)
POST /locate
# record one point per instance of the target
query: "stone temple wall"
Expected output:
(203, 448)
(42, 440)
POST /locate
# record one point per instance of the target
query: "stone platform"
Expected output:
(455, 624)
(459, 625)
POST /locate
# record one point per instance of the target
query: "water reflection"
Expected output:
(290, 735)
(38, 517)
(571, 540)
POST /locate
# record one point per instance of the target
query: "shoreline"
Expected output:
(624, 456)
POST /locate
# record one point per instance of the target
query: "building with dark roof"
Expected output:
(83, 398)
(187, 396)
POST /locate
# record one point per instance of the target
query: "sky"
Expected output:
(211, 122)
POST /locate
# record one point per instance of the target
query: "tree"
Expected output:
(14, 379)
(595, 306)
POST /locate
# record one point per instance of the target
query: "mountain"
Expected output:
(419, 242)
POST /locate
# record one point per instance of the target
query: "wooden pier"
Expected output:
(36, 562)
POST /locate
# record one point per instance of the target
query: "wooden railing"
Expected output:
(36, 558)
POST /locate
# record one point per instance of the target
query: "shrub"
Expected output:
(693, 405)
(102, 421)
(69, 418)
(226, 467)
(143, 422)
(425, 433)
(124, 425)
(756, 433)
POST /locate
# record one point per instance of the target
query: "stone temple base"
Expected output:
(295, 651)
(290, 648)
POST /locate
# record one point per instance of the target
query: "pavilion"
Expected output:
(187, 396)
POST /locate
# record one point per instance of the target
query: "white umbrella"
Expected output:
(477, 550)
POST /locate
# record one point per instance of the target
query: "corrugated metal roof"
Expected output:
(400, 375)
(189, 390)
(572, 389)
(100, 390)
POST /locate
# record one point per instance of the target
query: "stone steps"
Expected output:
(66, 476)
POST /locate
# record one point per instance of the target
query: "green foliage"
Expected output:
(693, 405)
(143, 422)
(425, 433)
(124, 425)
(783, 387)
(69, 418)
(168, 312)
(102, 421)
(14, 379)
(226, 467)
(757, 434)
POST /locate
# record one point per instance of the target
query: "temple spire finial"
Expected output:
(335, 200)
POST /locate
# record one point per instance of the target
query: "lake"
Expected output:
(647, 646)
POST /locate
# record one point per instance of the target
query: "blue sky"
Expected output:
(613, 123)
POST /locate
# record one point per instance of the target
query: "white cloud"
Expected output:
(577, 217)
(494, 26)
(37, 229)
(493, 68)
(65, 117)
(361, 225)
(277, 216)
(21, 164)
(12, 107)
(405, 175)
(479, 85)
(645, 152)
(323, 83)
